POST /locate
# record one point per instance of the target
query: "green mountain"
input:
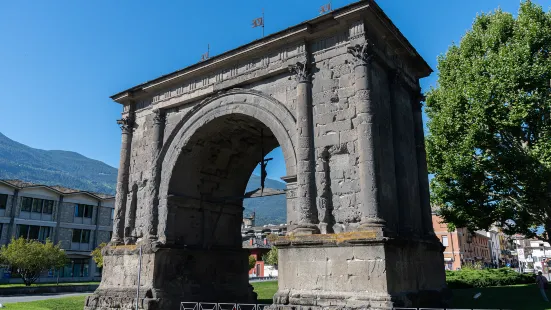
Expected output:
(70, 169)
(269, 210)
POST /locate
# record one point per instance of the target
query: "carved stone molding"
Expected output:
(126, 124)
(363, 54)
(301, 72)
(159, 116)
(394, 77)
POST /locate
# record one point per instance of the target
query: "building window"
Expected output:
(81, 236)
(40, 233)
(36, 205)
(3, 201)
(83, 210)
(76, 268)
(445, 240)
(112, 214)
(26, 204)
(48, 207)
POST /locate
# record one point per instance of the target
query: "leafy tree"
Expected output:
(96, 254)
(270, 258)
(252, 262)
(31, 257)
(489, 142)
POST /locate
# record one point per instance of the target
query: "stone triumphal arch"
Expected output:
(340, 94)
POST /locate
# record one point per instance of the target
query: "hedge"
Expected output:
(469, 278)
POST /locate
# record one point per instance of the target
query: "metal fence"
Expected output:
(220, 306)
(233, 306)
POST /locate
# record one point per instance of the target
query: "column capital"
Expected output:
(126, 124)
(363, 53)
(159, 116)
(301, 72)
(418, 97)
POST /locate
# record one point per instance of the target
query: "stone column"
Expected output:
(58, 218)
(153, 193)
(12, 225)
(422, 171)
(306, 194)
(367, 131)
(126, 124)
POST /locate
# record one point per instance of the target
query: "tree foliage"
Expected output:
(97, 256)
(489, 142)
(252, 262)
(31, 257)
(270, 258)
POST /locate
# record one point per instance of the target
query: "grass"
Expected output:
(48, 284)
(66, 303)
(516, 297)
(265, 291)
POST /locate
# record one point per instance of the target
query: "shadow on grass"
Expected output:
(517, 297)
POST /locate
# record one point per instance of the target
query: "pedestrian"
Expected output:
(541, 281)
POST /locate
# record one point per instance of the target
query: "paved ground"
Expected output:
(22, 298)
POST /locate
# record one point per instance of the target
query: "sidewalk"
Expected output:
(25, 298)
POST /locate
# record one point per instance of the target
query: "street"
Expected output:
(24, 298)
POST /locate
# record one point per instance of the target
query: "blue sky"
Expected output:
(61, 60)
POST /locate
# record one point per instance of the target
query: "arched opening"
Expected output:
(268, 209)
(205, 202)
(212, 172)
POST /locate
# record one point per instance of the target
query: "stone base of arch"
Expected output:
(359, 270)
(169, 276)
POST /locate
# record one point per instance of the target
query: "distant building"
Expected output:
(533, 255)
(79, 220)
(258, 248)
(493, 235)
(256, 240)
(461, 246)
(508, 250)
(248, 221)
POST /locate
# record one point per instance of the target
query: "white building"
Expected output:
(493, 244)
(532, 254)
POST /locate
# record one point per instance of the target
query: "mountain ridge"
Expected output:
(73, 170)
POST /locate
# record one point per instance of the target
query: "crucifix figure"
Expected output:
(263, 163)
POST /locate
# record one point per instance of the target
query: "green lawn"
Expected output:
(67, 303)
(517, 297)
(48, 284)
(265, 291)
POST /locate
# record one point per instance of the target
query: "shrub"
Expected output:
(252, 262)
(468, 278)
(31, 257)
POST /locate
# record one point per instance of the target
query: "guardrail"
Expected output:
(220, 306)
(234, 306)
